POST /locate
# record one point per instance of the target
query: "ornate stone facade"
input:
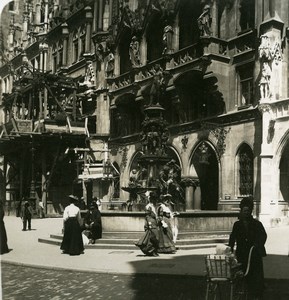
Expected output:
(95, 68)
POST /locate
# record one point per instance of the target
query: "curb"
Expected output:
(144, 274)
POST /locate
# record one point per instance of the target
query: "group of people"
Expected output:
(247, 239)
(248, 234)
(160, 227)
(75, 230)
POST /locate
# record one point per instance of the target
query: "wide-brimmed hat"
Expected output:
(73, 198)
(167, 196)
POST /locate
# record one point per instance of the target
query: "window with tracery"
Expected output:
(246, 173)
(246, 85)
(247, 14)
(75, 46)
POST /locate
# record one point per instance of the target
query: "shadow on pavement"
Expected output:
(149, 285)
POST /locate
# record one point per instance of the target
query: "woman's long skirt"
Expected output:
(3, 238)
(72, 239)
(148, 243)
(166, 244)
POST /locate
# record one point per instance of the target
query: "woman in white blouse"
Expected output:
(72, 239)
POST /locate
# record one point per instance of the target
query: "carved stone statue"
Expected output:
(168, 39)
(205, 21)
(265, 81)
(265, 48)
(157, 86)
(153, 140)
(109, 67)
(134, 52)
(170, 179)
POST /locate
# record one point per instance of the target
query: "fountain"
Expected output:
(156, 170)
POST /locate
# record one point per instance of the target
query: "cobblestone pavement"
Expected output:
(20, 282)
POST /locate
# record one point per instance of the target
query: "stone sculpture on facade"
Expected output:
(134, 52)
(168, 39)
(265, 81)
(109, 67)
(265, 57)
(157, 85)
(205, 21)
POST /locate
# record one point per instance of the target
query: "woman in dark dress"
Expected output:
(72, 242)
(3, 235)
(92, 223)
(149, 243)
(250, 237)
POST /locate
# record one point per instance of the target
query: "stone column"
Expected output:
(266, 167)
(46, 13)
(88, 19)
(192, 197)
(214, 11)
(65, 34)
(100, 15)
(25, 29)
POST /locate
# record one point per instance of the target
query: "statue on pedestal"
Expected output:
(204, 21)
(134, 52)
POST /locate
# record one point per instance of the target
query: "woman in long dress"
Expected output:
(3, 235)
(72, 242)
(149, 242)
(166, 244)
(250, 236)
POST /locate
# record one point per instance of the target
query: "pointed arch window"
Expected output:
(245, 170)
(247, 14)
(246, 85)
(82, 36)
(75, 46)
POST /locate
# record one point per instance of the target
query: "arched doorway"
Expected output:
(284, 173)
(205, 164)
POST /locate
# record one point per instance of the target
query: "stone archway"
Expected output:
(284, 174)
(204, 165)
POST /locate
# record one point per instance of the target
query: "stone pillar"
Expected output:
(37, 13)
(100, 14)
(46, 13)
(197, 196)
(45, 54)
(88, 19)
(214, 11)
(25, 29)
(65, 34)
(192, 196)
(267, 176)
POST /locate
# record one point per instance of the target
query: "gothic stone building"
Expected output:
(81, 80)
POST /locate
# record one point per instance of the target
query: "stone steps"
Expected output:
(127, 240)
